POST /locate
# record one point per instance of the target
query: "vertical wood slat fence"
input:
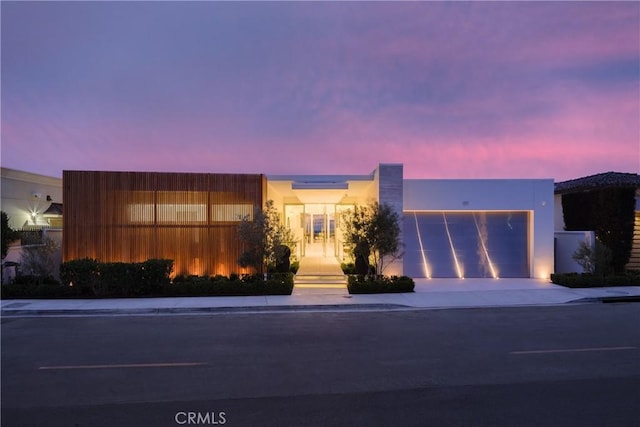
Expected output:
(191, 218)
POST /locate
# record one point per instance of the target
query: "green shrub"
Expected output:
(155, 274)
(358, 284)
(26, 287)
(88, 277)
(250, 284)
(348, 268)
(587, 280)
(295, 266)
(80, 274)
(30, 279)
(93, 278)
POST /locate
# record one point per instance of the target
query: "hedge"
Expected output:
(610, 213)
(88, 278)
(276, 284)
(381, 284)
(586, 280)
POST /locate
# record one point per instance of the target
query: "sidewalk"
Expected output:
(429, 294)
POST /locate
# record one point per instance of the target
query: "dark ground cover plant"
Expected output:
(358, 284)
(588, 280)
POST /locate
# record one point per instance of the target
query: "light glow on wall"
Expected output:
(453, 250)
(482, 239)
(424, 258)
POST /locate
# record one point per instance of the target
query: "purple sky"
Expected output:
(452, 90)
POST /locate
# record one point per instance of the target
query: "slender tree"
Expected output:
(373, 231)
(266, 240)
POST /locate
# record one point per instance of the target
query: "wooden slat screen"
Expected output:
(191, 218)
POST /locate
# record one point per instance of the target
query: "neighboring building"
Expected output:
(33, 204)
(592, 208)
(451, 228)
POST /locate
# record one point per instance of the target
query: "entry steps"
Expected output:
(320, 281)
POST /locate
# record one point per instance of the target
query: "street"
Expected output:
(556, 365)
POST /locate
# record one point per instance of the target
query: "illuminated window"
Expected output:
(231, 212)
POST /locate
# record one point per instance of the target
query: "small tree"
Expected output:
(39, 260)
(9, 235)
(265, 239)
(374, 233)
(593, 260)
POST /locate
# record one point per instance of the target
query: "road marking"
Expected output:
(573, 350)
(125, 365)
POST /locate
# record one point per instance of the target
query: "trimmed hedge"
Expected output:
(610, 213)
(87, 278)
(381, 284)
(586, 280)
(116, 279)
(276, 284)
(47, 290)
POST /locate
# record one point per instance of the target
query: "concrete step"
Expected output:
(320, 279)
(321, 283)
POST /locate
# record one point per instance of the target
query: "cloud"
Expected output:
(449, 89)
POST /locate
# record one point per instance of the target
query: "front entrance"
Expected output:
(315, 230)
(319, 230)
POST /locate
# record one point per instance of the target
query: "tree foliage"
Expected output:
(39, 260)
(8, 234)
(610, 213)
(373, 231)
(593, 260)
(266, 241)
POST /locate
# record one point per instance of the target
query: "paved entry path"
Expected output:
(320, 275)
(319, 266)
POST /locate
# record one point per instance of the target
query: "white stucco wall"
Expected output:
(567, 242)
(558, 213)
(24, 193)
(532, 195)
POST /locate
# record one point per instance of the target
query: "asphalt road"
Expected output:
(553, 366)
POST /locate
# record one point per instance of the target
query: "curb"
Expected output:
(608, 300)
(203, 310)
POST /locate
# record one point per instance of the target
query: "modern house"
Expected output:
(451, 228)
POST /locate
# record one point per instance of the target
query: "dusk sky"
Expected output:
(452, 90)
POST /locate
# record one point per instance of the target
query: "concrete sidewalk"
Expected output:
(429, 294)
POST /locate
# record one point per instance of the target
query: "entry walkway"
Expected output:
(319, 266)
(320, 275)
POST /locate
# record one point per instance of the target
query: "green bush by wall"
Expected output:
(358, 284)
(586, 280)
(88, 278)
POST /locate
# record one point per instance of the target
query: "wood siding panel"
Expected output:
(191, 218)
